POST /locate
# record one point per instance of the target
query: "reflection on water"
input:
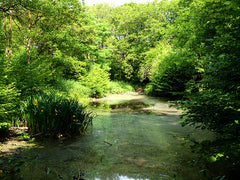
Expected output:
(132, 103)
(123, 144)
(126, 107)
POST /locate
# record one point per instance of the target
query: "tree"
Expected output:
(215, 105)
(135, 29)
(172, 73)
(8, 93)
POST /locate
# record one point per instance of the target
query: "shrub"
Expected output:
(97, 80)
(172, 74)
(116, 87)
(31, 77)
(148, 89)
(4, 129)
(72, 88)
(55, 114)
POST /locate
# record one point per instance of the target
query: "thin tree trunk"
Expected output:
(5, 35)
(29, 38)
(10, 35)
(102, 44)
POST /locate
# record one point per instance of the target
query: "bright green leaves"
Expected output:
(97, 80)
(8, 94)
(136, 28)
(171, 70)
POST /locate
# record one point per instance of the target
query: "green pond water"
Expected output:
(133, 137)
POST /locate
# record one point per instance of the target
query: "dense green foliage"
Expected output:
(70, 89)
(215, 105)
(116, 87)
(186, 49)
(8, 95)
(97, 80)
(51, 114)
(172, 73)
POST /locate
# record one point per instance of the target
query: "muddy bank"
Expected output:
(134, 102)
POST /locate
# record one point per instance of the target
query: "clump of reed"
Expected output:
(52, 114)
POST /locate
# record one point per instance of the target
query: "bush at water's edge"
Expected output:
(116, 87)
(52, 114)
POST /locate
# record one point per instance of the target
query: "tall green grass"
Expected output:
(54, 114)
(117, 87)
(72, 89)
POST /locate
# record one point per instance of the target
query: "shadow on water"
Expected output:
(124, 143)
(131, 106)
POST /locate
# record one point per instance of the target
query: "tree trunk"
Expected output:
(29, 38)
(10, 35)
(5, 35)
(102, 44)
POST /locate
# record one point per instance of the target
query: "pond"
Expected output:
(133, 137)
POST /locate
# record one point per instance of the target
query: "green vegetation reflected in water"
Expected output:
(118, 146)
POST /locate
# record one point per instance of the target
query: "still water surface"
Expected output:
(133, 137)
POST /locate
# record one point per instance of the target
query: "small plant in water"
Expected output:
(51, 114)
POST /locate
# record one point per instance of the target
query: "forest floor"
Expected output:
(15, 143)
(12, 147)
